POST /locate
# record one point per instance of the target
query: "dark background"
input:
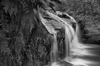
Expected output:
(24, 41)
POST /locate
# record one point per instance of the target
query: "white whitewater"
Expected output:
(74, 48)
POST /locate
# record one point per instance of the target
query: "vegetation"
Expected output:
(24, 41)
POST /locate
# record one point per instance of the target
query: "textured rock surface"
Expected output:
(90, 32)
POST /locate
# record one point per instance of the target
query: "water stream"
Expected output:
(77, 53)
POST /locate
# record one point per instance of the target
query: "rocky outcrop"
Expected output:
(90, 33)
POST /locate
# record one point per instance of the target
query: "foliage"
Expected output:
(23, 39)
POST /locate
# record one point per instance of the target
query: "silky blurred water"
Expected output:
(77, 53)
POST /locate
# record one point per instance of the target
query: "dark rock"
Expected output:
(64, 63)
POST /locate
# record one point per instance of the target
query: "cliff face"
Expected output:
(24, 41)
(90, 29)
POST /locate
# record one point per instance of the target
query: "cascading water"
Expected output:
(54, 50)
(69, 31)
(75, 50)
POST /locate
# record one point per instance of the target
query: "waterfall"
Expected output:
(74, 48)
(54, 50)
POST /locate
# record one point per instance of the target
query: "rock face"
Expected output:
(93, 37)
(90, 33)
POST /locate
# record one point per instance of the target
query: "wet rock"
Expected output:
(64, 63)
